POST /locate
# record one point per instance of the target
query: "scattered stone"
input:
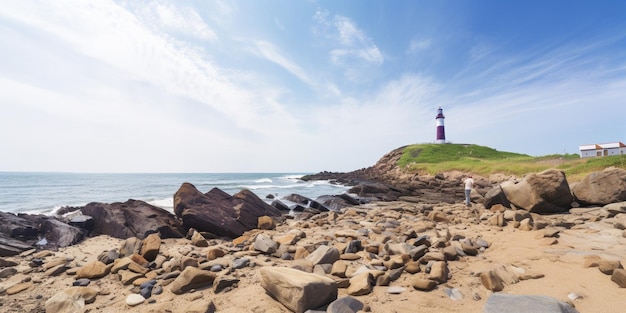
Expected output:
(491, 281)
(266, 223)
(150, 247)
(453, 293)
(190, 278)
(323, 255)
(224, 282)
(82, 282)
(608, 266)
(198, 240)
(297, 290)
(265, 244)
(619, 277)
(345, 305)
(361, 284)
(134, 299)
(424, 284)
(17, 288)
(395, 290)
(240, 263)
(72, 299)
(93, 270)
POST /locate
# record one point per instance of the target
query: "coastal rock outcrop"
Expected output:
(133, 218)
(545, 192)
(23, 231)
(219, 213)
(601, 187)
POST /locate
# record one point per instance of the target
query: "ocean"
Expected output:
(44, 193)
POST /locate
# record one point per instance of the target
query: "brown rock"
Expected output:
(190, 278)
(424, 284)
(95, 269)
(266, 223)
(439, 272)
(296, 290)
(150, 247)
(198, 240)
(608, 266)
(17, 288)
(361, 284)
(491, 281)
(215, 253)
(619, 277)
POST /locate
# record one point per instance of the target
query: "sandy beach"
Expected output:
(560, 266)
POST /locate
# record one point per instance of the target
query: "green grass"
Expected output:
(481, 160)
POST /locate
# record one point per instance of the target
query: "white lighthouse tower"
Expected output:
(441, 133)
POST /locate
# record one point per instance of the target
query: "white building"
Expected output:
(602, 149)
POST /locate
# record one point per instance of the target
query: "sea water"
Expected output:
(47, 192)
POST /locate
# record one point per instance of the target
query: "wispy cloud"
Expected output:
(177, 21)
(352, 49)
(417, 45)
(270, 52)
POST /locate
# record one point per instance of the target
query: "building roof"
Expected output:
(601, 146)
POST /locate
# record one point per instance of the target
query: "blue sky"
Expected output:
(301, 86)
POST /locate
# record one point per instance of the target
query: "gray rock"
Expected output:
(240, 263)
(323, 255)
(345, 305)
(265, 244)
(501, 302)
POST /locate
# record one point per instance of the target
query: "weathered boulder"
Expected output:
(545, 192)
(11, 247)
(133, 218)
(298, 291)
(495, 196)
(501, 302)
(16, 226)
(219, 213)
(602, 187)
(57, 233)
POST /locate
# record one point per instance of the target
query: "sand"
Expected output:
(561, 265)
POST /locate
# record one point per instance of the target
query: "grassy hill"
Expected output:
(481, 160)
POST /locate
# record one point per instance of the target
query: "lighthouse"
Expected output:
(441, 133)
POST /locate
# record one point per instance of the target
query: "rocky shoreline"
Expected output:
(399, 242)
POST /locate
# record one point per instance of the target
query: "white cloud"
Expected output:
(271, 53)
(178, 21)
(417, 45)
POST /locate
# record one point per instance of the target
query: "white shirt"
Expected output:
(469, 183)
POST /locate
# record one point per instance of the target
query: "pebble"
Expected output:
(134, 299)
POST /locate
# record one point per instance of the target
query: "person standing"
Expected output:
(469, 184)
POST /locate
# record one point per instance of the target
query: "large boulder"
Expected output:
(496, 196)
(219, 213)
(133, 218)
(57, 233)
(545, 192)
(602, 187)
(298, 291)
(16, 226)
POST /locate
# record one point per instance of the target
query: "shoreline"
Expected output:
(550, 262)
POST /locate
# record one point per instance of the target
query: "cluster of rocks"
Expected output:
(302, 262)
(336, 245)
